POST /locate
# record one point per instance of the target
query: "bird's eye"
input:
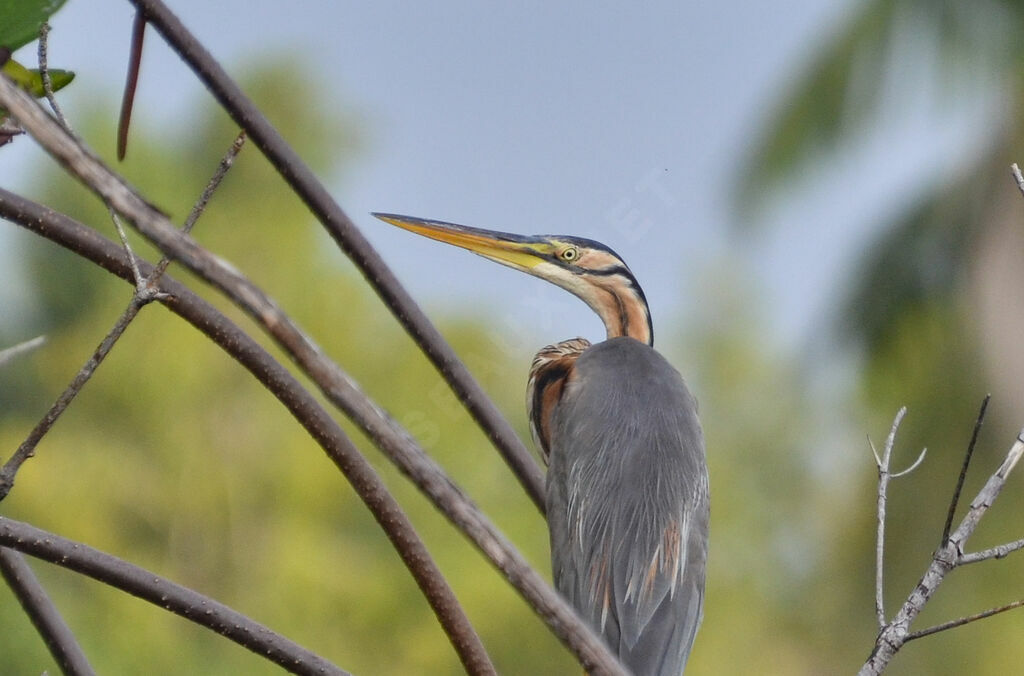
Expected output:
(570, 254)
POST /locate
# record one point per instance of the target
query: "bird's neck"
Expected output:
(623, 309)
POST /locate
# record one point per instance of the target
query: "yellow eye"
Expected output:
(570, 254)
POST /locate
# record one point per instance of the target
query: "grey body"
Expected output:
(627, 496)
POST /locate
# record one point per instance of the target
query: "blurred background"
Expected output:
(815, 195)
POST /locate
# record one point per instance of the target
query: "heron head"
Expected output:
(588, 269)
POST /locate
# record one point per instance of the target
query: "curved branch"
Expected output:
(333, 382)
(162, 592)
(44, 615)
(306, 185)
(300, 403)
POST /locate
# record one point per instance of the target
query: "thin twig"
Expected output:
(306, 409)
(225, 164)
(952, 624)
(44, 73)
(963, 469)
(56, 634)
(140, 281)
(199, 207)
(159, 590)
(27, 448)
(13, 352)
(306, 185)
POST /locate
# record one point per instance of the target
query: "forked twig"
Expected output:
(146, 291)
(884, 476)
(948, 556)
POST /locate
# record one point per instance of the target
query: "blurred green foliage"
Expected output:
(911, 310)
(174, 458)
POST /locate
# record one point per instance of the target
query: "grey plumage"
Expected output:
(628, 504)
(627, 486)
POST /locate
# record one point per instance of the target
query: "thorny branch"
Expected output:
(332, 380)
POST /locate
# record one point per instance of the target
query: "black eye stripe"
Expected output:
(613, 269)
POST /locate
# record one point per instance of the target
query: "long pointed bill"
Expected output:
(515, 251)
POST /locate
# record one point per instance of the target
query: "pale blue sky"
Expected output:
(615, 122)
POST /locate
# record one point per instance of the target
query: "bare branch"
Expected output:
(963, 469)
(140, 282)
(952, 624)
(592, 652)
(883, 484)
(305, 184)
(160, 591)
(27, 448)
(59, 639)
(15, 351)
(320, 425)
(894, 634)
(223, 167)
(199, 207)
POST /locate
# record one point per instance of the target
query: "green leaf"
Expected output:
(20, 20)
(31, 81)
